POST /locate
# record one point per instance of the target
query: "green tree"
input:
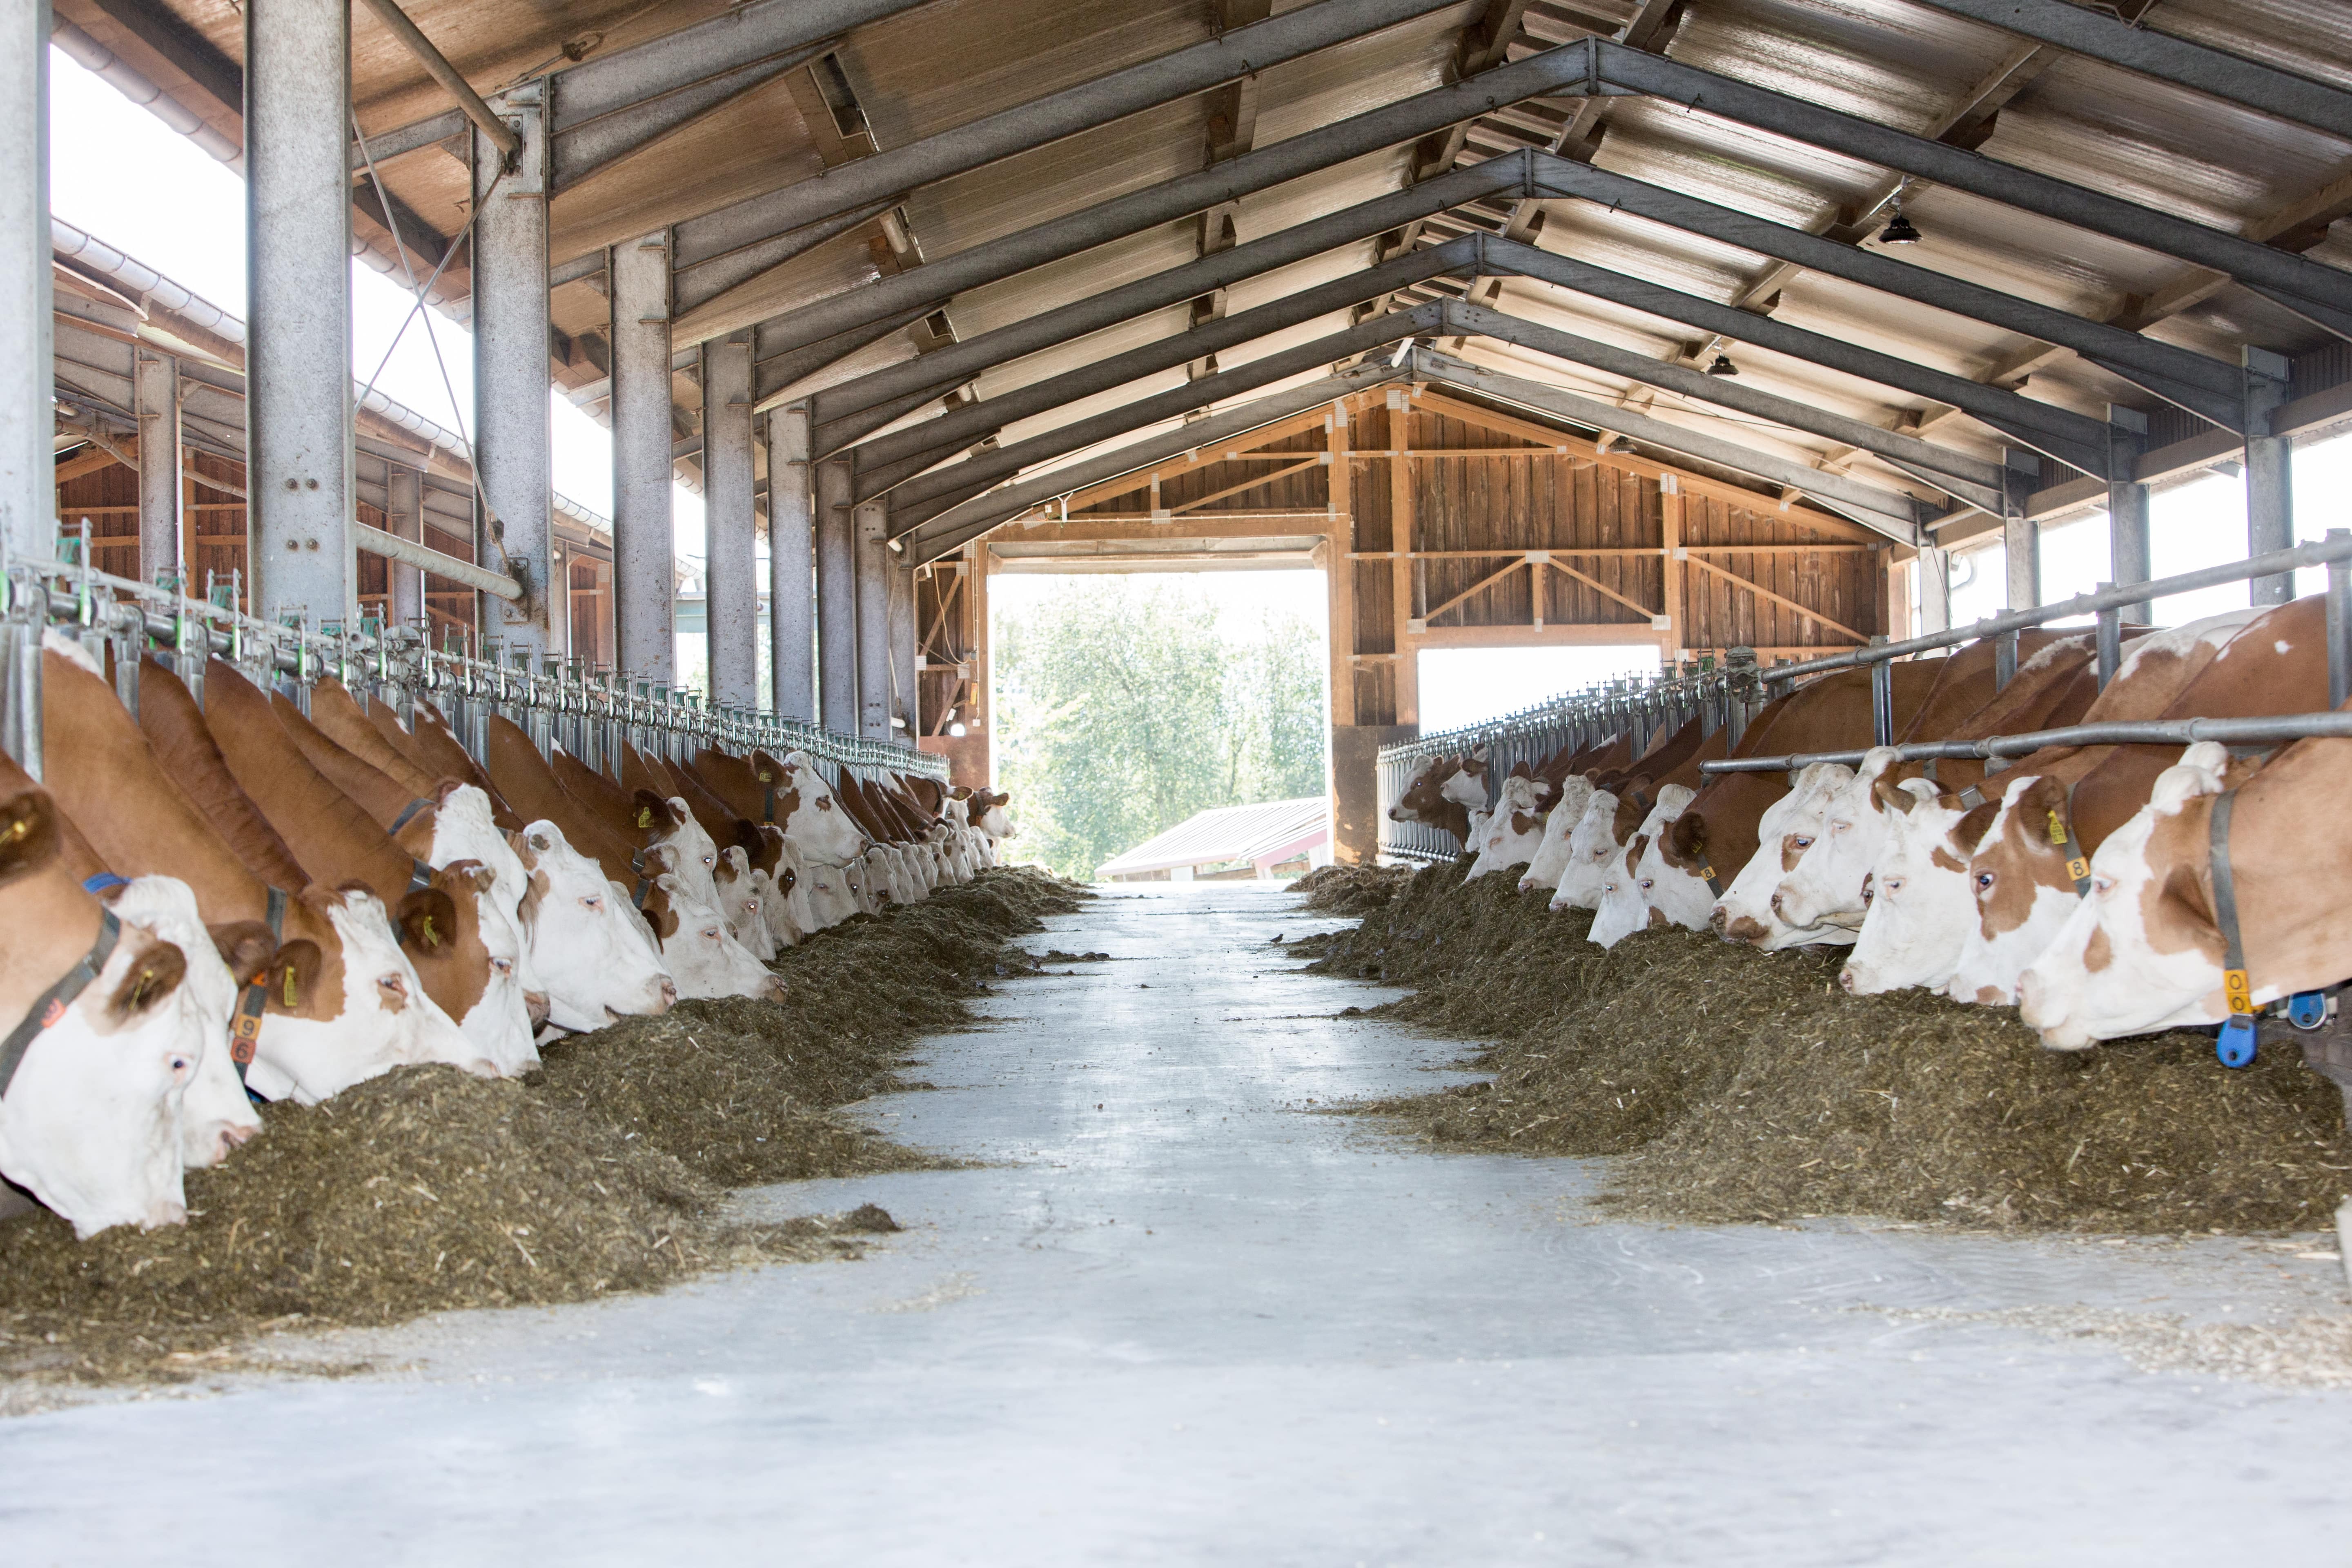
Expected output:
(1124, 705)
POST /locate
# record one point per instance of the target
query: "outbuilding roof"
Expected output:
(1272, 830)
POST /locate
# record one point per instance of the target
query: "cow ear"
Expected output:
(1969, 831)
(292, 976)
(747, 835)
(427, 920)
(1686, 836)
(246, 946)
(1891, 796)
(149, 977)
(29, 834)
(650, 811)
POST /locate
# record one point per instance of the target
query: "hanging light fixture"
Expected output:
(1899, 230)
(1723, 366)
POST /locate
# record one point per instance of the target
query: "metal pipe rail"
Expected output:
(2275, 730)
(589, 716)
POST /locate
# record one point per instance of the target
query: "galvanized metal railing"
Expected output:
(590, 716)
(2107, 605)
(1642, 710)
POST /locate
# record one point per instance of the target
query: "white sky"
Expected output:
(125, 177)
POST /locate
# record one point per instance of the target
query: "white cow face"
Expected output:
(704, 959)
(819, 823)
(696, 857)
(1593, 848)
(598, 961)
(1921, 905)
(830, 898)
(90, 1123)
(740, 903)
(1788, 827)
(387, 1019)
(1511, 835)
(1826, 887)
(464, 829)
(499, 1021)
(1633, 896)
(2105, 975)
(2022, 892)
(215, 1116)
(1551, 853)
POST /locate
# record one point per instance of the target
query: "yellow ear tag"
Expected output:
(644, 817)
(432, 937)
(17, 830)
(2057, 829)
(767, 778)
(289, 985)
(139, 994)
(2234, 986)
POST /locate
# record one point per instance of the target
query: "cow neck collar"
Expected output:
(2062, 838)
(1971, 797)
(253, 992)
(2236, 1045)
(50, 1005)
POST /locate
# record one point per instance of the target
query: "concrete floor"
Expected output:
(1182, 1319)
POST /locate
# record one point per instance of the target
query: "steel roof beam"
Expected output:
(888, 175)
(1537, 75)
(955, 365)
(2198, 67)
(2207, 387)
(590, 148)
(1890, 512)
(2320, 294)
(934, 438)
(747, 35)
(1976, 480)
(2072, 438)
(951, 531)
(908, 507)
(776, 371)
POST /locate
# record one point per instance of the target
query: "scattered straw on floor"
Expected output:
(425, 1190)
(1742, 1085)
(2308, 1353)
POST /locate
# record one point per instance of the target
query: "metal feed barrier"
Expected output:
(2106, 606)
(1734, 694)
(1728, 695)
(590, 716)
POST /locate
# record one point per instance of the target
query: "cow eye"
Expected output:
(1892, 884)
(1646, 883)
(501, 966)
(592, 902)
(2103, 885)
(711, 932)
(1984, 881)
(1804, 842)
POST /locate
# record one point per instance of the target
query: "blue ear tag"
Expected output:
(2307, 1009)
(104, 882)
(2236, 1045)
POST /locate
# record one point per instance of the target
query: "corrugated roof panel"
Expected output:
(1225, 833)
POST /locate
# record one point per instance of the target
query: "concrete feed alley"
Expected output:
(1175, 1313)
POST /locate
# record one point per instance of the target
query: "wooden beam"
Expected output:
(1408, 674)
(1786, 603)
(1222, 452)
(1339, 574)
(1313, 460)
(1488, 581)
(1606, 591)
(1670, 537)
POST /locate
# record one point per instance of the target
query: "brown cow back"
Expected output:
(379, 796)
(193, 764)
(336, 713)
(444, 758)
(530, 787)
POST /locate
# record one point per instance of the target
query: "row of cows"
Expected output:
(212, 902)
(2076, 883)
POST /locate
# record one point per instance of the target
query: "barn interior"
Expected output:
(1720, 326)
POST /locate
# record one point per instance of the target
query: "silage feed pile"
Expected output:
(426, 1190)
(1350, 890)
(1739, 1085)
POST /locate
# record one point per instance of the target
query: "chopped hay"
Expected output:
(1743, 1085)
(425, 1190)
(1350, 890)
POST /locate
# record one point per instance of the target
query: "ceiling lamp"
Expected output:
(1899, 230)
(1723, 366)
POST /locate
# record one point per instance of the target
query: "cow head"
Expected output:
(2022, 890)
(1788, 827)
(828, 895)
(90, 1123)
(1921, 906)
(597, 961)
(2140, 951)
(1825, 888)
(1592, 845)
(741, 903)
(215, 1116)
(1637, 893)
(468, 953)
(1422, 799)
(465, 829)
(702, 956)
(1513, 830)
(817, 820)
(1551, 851)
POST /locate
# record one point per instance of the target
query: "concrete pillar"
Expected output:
(28, 492)
(873, 567)
(2269, 473)
(792, 563)
(645, 588)
(731, 537)
(514, 441)
(155, 393)
(404, 510)
(2021, 538)
(2128, 550)
(298, 357)
(904, 688)
(836, 598)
